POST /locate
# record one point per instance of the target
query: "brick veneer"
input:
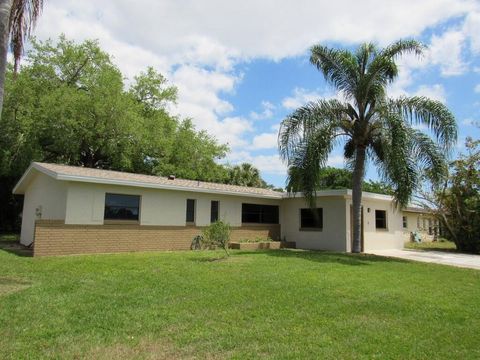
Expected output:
(54, 237)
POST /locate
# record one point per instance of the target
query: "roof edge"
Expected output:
(26, 174)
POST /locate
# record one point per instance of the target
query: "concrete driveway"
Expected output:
(437, 257)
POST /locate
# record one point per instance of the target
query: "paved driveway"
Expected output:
(437, 257)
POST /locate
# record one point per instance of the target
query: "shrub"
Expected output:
(218, 234)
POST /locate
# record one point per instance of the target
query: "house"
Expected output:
(422, 222)
(76, 210)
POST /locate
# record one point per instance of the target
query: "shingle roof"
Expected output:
(65, 172)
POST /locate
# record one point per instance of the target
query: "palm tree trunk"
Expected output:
(358, 174)
(5, 9)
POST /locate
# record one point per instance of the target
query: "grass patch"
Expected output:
(9, 237)
(275, 304)
(432, 246)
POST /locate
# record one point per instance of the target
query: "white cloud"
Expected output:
(435, 92)
(266, 113)
(269, 164)
(477, 88)
(265, 141)
(336, 161)
(469, 122)
(303, 96)
(446, 51)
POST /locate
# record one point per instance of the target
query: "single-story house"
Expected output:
(77, 210)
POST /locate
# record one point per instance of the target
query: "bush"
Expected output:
(218, 234)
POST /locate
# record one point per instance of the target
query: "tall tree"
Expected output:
(372, 126)
(17, 19)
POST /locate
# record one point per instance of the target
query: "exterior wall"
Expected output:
(332, 237)
(58, 238)
(45, 198)
(378, 239)
(415, 223)
(86, 202)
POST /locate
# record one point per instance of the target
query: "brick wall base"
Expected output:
(54, 237)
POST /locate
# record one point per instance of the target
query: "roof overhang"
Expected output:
(36, 168)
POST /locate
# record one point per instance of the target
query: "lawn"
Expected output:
(271, 304)
(432, 246)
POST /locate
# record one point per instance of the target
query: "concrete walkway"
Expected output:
(437, 257)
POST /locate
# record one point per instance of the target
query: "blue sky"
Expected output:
(241, 67)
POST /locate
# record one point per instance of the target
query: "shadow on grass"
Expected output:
(10, 243)
(313, 255)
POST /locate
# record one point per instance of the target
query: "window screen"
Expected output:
(404, 220)
(311, 218)
(214, 211)
(121, 207)
(190, 217)
(380, 219)
(259, 214)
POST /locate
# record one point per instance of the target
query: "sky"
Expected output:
(242, 66)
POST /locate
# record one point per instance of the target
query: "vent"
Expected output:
(171, 177)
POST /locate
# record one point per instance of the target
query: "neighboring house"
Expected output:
(421, 221)
(75, 210)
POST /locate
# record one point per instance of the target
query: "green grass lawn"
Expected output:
(279, 304)
(432, 246)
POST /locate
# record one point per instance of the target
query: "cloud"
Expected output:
(434, 92)
(303, 96)
(265, 141)
(446, 51)
(336, 161)
(477, 88)
(266, 113)
(469, 122)
(267, 164)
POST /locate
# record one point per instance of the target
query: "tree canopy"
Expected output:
(70, 104)
(335, 178)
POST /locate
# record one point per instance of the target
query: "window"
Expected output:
(190, 218)
(214, 211)
(259, 214)
(380, 219)
(121, 207)
(311, 218)
(405, 223)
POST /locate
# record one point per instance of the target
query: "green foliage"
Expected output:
(69, 104)
(460, 202)
(255, 240)
(217, 234)
(245, 175)
(334, 178)
(367, 121)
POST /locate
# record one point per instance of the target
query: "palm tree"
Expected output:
(245, 174)
(17, 19)
(370, 125)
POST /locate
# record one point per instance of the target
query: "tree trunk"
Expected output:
(358, 174)
(5, 9)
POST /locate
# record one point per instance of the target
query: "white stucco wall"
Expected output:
(379, 239)
(46, 196)
(333, 236)
(415, 223)
(86, 202)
